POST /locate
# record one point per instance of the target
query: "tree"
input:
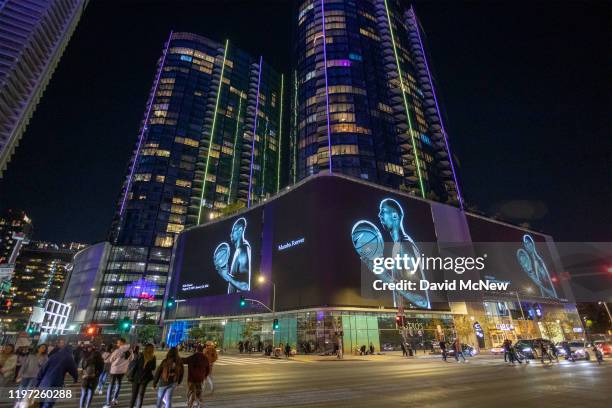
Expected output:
(197, 333)
(147, 333)
(248, 330)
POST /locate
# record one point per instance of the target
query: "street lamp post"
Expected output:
(520, 305)
(177, 301)
(261, 279)
(607, 310)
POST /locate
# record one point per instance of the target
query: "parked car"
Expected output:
(497, 349)
(466, 348)
(530, 348)
(604, 346)
(579, 349)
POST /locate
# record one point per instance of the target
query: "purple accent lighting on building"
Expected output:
(254, 132)
(433, 91)
(141, 289)
(144, 126)
(326, 85)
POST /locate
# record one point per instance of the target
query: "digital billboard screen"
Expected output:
(326, 234)
(220, 258)
(518, 256)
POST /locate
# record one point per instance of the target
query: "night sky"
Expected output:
(525, 86)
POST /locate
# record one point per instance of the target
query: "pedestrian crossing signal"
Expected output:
(400, 321)
(275, 324)
(242, 301)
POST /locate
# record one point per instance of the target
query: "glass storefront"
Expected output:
(316, 331)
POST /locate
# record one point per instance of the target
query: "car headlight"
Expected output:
(527, 349)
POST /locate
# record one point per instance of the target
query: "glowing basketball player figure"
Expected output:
(238, 273)
(534, 266)
(369, 244)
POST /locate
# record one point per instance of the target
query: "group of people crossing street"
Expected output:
(102, 370)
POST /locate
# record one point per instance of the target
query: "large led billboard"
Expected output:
(518, 256)
(221, 258)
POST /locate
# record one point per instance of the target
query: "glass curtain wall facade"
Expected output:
(194, 156)
(363, 94)
(316, 331)
(33, 36)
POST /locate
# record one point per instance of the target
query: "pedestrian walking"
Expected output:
(288, 350)
(515, 355)
(28, 375)
(119, 362)
(22, 354)
(568, 352)
(168, 376)
(92, 365)
(443, 350)
(59, 344)
(102, 380)
(141, 374)
(554, 352)
(8, 363)
(458, 350)
(598, 354)
(506, 346)
(198, 370)
(544, 352)
(53, 372)
(371, 348)
(211, 355)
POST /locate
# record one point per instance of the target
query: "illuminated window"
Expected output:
(181, 50)
(178, 200)
(338, 63)
(310, 75)
(187, 141)
(142, 177)
(178, 209)
(183, 183)
(342, 117)
(156, 152)
(160, 179)
(344, 150)
(349, 128)
(176, 228)
(311, 160)
(222, 189)
(385, 108)
(394, 168)
(165, 241)
(346, 89)
(366, 32)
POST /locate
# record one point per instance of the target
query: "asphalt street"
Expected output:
(380, 381)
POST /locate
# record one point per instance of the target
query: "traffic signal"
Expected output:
(125, 324)
(91, 330)
(400, 321)
(242, 301)
(30, 331)
(275, 324)
(170, 303)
